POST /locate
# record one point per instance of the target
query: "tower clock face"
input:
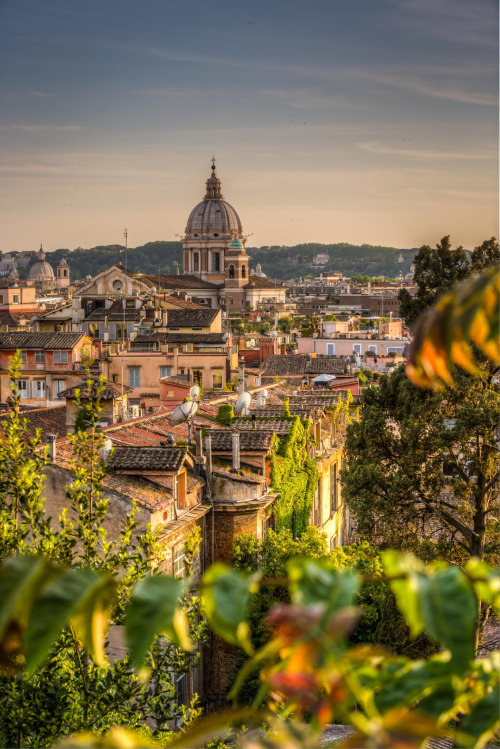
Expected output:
(117, 285)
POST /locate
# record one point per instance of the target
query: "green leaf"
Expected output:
(449, 610)
(21, 579)
(488, 590)
(416, 681)
(483, 720)
(405, 590)
(315, 583)
(154, 609)
(81, 595)
(225, 594)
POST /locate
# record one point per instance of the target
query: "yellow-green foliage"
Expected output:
(225, 414)
(295, 476)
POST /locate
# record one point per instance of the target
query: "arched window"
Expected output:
(243, 271)
(196, 261)
(231, 271)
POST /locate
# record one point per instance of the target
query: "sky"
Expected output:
(331, 120)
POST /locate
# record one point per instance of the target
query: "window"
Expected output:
(15, 299)
(134, 377)
(23, 357)
(165, 372)
(396, 349)
(23, 387)
(114, 378)
(196, 261)
(231, 271)
(243, 271)
(121, 331)
(65, 273)
(330, 349)
(60, 357)
(1, 298)
(198, 376)
(215, 261)
(333, 488)
(372, 348)
(40, 357)
(356, 348)
(217, 378)
(267, 523)
(178, 560)
(58, 386)
(38, 389)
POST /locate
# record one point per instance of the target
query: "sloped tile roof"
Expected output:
(256, 282)
(147, 458)
(191, 317)
(49, 420)
(12, 341)
(251, 441)
(325, 365)
(279, 365)
(176, 282)
(212, 338)
(111, 390)
(273, 424)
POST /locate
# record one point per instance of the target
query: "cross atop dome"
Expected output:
(213, 185)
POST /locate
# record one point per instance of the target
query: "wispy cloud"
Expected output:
(47, 128)
(414, 153)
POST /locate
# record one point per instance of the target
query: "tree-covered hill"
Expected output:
(280, 262)
(352, 260)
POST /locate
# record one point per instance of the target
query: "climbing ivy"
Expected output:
(295, 476)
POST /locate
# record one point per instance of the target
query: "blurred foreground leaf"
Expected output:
(443, 333)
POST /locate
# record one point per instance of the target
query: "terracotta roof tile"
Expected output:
(147, 458)
(12, 341)
(251, 441)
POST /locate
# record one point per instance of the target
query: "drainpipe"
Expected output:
(241, 375)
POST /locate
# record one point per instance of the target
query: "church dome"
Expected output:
(213, 215)
(41, 270)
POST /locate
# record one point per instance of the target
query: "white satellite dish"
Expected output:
(261, 402)
(243, 403)
(194, 392)
(264, 393)
(182, 413)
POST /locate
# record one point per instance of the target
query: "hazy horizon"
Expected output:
(349, 121)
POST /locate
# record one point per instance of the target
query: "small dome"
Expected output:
(236, 244)
(41, 270)
(213, 215)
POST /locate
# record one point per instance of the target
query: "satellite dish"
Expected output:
(194, 392)
(243, 403)
(152, 290)
(182, 413)
(264, 393)
(261, 402)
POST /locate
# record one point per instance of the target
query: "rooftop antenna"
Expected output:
(182, 413)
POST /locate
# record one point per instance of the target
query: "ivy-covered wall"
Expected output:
(295, 476)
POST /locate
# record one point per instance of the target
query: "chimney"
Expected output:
(241, 375)
(235, 439)
(164, 318)
(208, 450)
(52, 446)
(198, 439)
